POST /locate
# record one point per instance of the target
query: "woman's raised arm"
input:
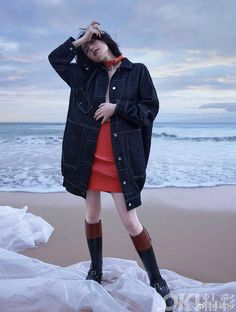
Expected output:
(61, 57)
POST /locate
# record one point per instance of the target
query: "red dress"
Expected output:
(104, 175)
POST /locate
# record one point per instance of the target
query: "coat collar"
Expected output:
(126, 63)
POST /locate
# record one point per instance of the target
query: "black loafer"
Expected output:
(94, 275)
(163, 289)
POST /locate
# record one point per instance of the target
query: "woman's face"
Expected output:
(96, 50)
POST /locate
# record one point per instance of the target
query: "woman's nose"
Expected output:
(91, 48)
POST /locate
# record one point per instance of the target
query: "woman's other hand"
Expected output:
(105, 110)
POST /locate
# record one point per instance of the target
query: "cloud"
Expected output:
(188, 46)
(8, 46)
(228, 107)
(194, 64)
(22, 58)
(190, 69)
(187, 24)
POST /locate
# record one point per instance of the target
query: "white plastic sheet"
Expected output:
(20, 230)
(28, 284)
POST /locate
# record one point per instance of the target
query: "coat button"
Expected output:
(130, 204)
(113, 88)
(124, 182)
(115, 135)
(87, 68)
(119, 158)
(71, 48)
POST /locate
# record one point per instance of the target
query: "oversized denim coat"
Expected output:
(132, 89)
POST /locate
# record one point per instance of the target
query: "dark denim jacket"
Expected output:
(132, 89)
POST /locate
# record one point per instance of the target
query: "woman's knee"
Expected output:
(133, 226)
(93, 206)
(129, 218)
(131, 222)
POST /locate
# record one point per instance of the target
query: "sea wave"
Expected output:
(45, 140)
(204, 138)
(31, 140)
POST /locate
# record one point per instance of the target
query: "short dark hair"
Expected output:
(112, 45)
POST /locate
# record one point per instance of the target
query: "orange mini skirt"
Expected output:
(104, 175)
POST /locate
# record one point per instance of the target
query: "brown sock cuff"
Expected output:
(142, 241)
(93, 230)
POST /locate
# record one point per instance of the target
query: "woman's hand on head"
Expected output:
(105, 110)
(93, 28)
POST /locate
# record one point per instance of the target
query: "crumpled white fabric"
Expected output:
(20, 230)
(30, 285)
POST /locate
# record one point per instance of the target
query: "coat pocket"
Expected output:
(81, 101)
(72, 145)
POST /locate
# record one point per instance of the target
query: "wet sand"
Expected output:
(192, 229)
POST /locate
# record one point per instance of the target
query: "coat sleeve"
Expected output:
(143, 110)
(60, 59)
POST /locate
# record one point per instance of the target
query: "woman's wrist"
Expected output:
(77, 43)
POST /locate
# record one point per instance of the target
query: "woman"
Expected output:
(107, 139)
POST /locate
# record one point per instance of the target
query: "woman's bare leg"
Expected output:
(93, 206)
(129, 218)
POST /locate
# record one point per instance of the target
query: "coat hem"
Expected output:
(131, 203)
(74, 190)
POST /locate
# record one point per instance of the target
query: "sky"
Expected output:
(188, 46)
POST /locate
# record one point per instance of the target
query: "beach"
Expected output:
(192, 229)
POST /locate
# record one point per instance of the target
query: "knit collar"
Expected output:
(114, 61)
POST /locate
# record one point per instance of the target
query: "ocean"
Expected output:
(183, 154)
